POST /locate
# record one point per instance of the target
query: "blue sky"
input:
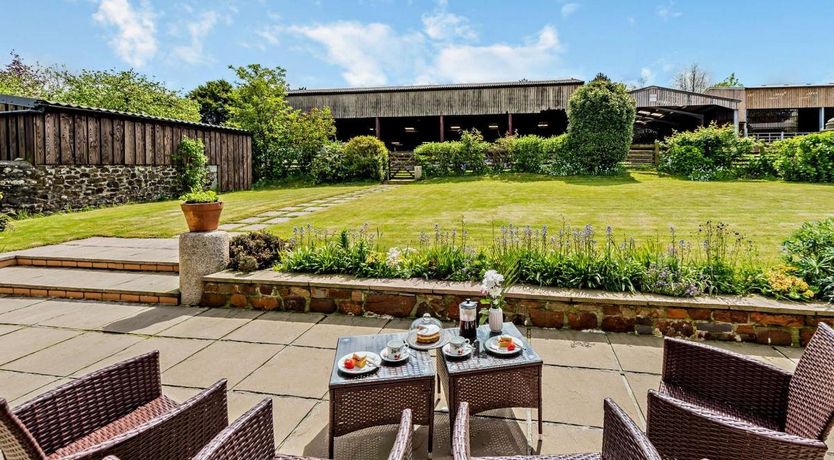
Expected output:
(333, 43)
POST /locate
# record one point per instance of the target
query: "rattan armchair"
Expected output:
(251, 437)
(622, 439)
(119, 410)
(721, 405)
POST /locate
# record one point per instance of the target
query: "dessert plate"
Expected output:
(373, 363)
(411, 340)
(492, 346)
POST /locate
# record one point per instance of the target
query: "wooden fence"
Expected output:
(643, 154)
(53, 134)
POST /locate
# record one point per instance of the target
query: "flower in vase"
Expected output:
(491, 284)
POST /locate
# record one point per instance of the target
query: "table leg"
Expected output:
(431, 428)
(331, 428)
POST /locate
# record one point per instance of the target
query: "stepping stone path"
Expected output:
(265, 219)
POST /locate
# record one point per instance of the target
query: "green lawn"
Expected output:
(160, 219)
(640, 204)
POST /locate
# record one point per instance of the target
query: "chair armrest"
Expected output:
(460, 434)
(179, 434)
(402, 449)
(678, 429)
(727, 378)
(82, 406)
(250, 437)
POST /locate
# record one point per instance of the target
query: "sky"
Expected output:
(337, 43)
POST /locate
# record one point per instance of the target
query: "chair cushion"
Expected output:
(682, 394)
(156, 408)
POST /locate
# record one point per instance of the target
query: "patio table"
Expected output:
(378, 398)
(487, 382)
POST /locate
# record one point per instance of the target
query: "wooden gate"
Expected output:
(401, 165)
(643, 154)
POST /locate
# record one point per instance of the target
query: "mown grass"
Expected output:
(157, 220)
(640, 204)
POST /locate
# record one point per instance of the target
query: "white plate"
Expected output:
(464, 352)
(374, 361)
(411, 340)
(404, 355)
(492, 346)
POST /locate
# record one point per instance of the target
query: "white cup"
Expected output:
(395, 349)
(458, 344)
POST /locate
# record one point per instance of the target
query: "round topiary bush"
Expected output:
(365, 157)
(600, 125)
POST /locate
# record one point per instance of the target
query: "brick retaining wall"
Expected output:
(749, 319)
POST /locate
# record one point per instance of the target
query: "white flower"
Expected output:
(491, 283)
(393, 258)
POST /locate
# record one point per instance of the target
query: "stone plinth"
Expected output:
(200, 254)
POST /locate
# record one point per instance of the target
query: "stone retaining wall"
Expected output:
(46, 189)
(749, 319)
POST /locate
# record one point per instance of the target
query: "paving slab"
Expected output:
(294, 371)
(8, 304)
(37, 312)
(264, 215)
(251, 220)
(25, 341)
(14, 385)
(68, 357)
(230, 360)
(287, 412)
(153, 320)
(227, 227)
(83, 279)
(575, 396)
(638, 353)
(141, 243)
(89, 315)
(326, 333)
(41, 390)
(309, 438)
(765, 354)
(275, 327)
(574, 348)
(172, 351)
(298, 213)
(640, 385)
(277, 220)
(212, 324)
(253, 228)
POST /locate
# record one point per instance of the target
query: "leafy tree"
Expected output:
(309, 131)
(20, 79)
(126, 90)
(693, 78)
(190, 162)
(600, 125)
(730, 82)
(214, 98)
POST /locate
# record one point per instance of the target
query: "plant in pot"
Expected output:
(202, 210)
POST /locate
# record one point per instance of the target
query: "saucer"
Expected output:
(404, 355)
(463, 353)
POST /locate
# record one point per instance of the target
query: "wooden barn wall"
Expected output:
(84, 138)
(789, 97)
(475, 101)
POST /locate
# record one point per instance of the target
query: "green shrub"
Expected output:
(5, 221)
(472, 153)
(366, 157)
(528, 154)
(329, 164)
(760, 166)
(438, 159)
(810, 250)
(808, 158)
(600, 125)
(559, 161)
(200, 196)
(499, 154)
(708, 153)
(190, 162)
(255, 251)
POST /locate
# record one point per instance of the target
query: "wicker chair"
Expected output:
(622, 439)
(251, 437)
(722, 405)
(118, 410)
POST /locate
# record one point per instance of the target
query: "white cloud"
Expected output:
(134, 40)
(668, 11)
(569, 8)
(537, 58)
(192, 53)
(647, 76)
(368, 53)
(443, 25)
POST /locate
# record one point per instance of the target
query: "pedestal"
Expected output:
(201, 254)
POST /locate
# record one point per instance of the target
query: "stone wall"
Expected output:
(749, 319)
(46, 189)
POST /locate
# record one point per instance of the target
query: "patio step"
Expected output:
(96, 263)
(90, 284)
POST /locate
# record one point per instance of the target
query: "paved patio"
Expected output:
(287, 356)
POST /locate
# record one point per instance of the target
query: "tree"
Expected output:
(693, 78)
(21, 79)
(127, 91)
(214, 98)
(730, 82)
(600, 125)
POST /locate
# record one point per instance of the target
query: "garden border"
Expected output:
(749, 319)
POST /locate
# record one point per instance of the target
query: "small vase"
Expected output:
(496, 319)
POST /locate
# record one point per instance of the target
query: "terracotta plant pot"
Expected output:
(202, 217)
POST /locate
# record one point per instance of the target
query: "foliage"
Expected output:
(283, 139)
(362, 157)
(200, 196)
(127, 91)
(708, 153)
(499, 154)
(5, 221)
(255, 251)
(760, 166)
(560, 161)
(693, 78)
(528, 154)
(21, 79)
(730, 82)
(783, 284)
(214, 97)
(472, 153)
(190, 162)
(600, 125)
(810, 251)
(808, 158)
(438, 159)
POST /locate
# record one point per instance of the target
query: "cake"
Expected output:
(429, 333)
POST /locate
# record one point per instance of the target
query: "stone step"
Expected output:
(133, 254)
(91, 284)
